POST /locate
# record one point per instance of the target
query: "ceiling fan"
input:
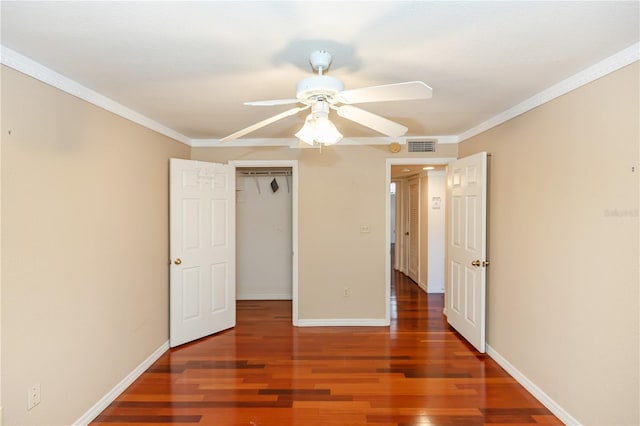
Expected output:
(322, 93)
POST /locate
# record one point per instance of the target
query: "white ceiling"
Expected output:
(191, 65)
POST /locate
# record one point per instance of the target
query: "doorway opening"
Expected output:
(266, 231)
(415, 216)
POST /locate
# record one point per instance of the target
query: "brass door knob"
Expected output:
(177, 261)
(475, 263)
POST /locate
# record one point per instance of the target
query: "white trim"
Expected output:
(387, 201)
(33, 69)
(534, 390)
(294, 219)
(215, 143)
(295, 143)
(104, 402)
(343, 322)
(602, 68)
(262, 296)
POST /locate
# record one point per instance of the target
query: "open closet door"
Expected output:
(202, 249)
(467, 248)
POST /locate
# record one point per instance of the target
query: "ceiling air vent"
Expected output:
(421, 146)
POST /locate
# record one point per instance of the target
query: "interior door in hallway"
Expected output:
(414, 229)
(466, 240)
(202, 250)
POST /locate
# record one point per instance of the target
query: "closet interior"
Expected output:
(264, 233)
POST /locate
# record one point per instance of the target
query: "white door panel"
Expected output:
(466, 188)
(414, 229)
(202, 249)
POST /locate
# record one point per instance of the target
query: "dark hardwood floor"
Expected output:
(265, 372)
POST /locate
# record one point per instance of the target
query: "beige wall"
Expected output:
(340, 189)
(84, 245)
(84, 249)
(563, 298)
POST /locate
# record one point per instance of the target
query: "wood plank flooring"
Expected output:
(265, 372)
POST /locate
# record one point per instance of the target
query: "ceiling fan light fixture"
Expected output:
(318, 128)
(307, 132)
(326, 132)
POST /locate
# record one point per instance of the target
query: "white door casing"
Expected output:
(466, 244)
(202, 250)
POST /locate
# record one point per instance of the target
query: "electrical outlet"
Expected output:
(346, 292)
(365, 229)
(33, 396)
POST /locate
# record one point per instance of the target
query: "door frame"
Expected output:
(387, 269)
(294, 218)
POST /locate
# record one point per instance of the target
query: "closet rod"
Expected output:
(265, 173)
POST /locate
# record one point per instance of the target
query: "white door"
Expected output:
(202, 250)
(414, 229)
(467, 204)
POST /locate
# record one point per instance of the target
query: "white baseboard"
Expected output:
(262, 296)
(343, 322)
(534, 390)
(104, 402)
(435, 290)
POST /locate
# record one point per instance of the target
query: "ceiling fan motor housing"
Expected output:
(320, 60)
(317, 86)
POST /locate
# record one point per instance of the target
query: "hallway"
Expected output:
(266, 372)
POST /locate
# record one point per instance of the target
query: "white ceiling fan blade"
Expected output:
(273, 102)
(372, 121)
(389, 92)
(262, 123)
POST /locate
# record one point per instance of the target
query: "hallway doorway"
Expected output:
(416, 193)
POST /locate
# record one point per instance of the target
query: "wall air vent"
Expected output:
(421, 145)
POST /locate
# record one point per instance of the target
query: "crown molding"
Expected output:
(295, 143)
(33, 69)
(38, 71)
(594, 72)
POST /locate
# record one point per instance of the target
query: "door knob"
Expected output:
(177, 261)
(475, 263)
